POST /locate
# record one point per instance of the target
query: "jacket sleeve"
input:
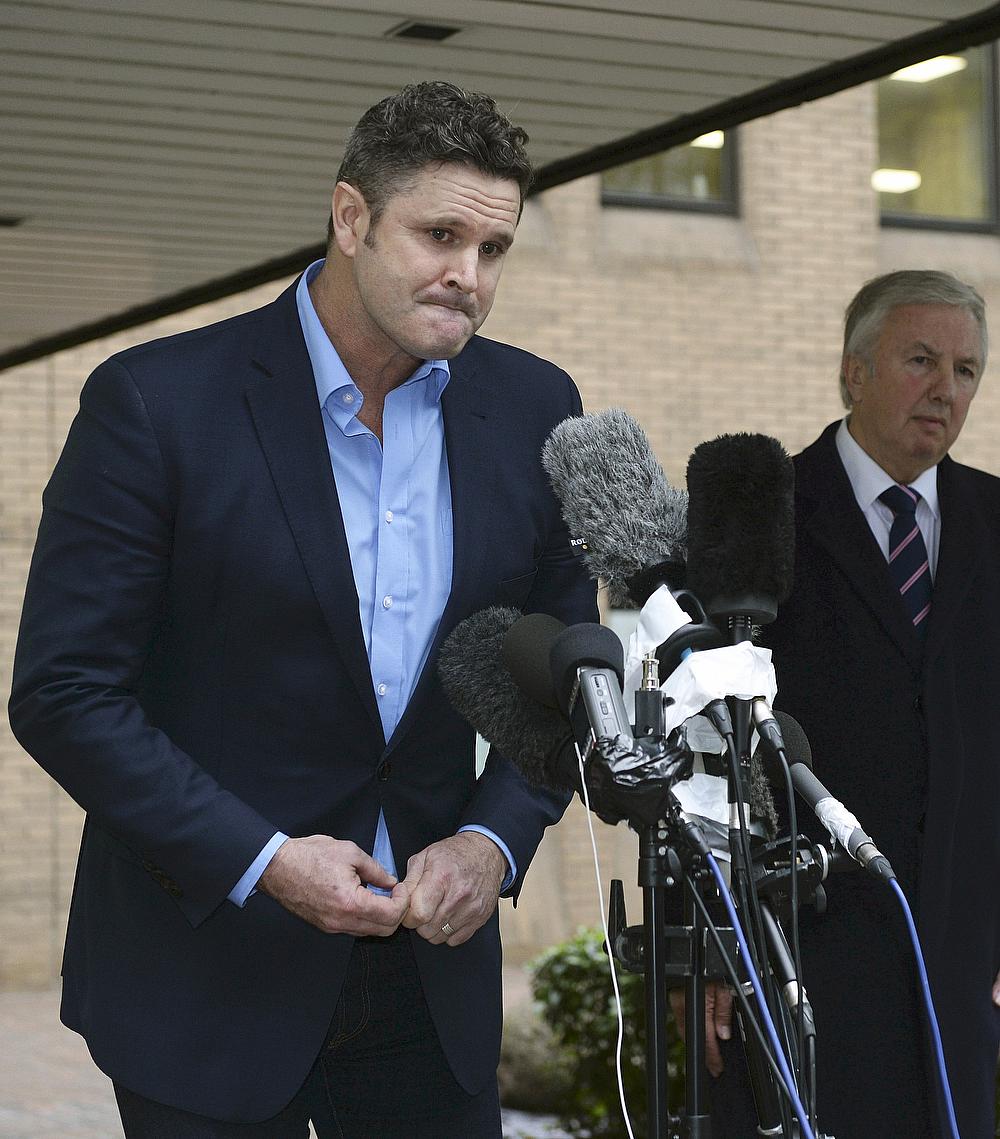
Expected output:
(95, 595)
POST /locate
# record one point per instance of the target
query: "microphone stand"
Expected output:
(663, 952)
(736, 616)
(660, 950)
(673, 849)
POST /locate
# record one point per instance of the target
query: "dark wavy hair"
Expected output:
(424, 124)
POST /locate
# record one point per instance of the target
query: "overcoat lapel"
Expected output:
(289, 424)
(960, 555)
(961, 560)
(832, 519)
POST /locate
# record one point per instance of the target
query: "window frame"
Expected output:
(991, 148)
(730, 184)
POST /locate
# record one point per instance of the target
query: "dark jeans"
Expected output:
(380, 1075)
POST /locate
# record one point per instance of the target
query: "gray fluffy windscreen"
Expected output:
(615, 496)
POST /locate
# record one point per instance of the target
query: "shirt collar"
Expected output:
(328, 368)
(869, 480)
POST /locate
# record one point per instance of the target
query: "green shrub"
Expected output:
(571, 983)
(535, 1074)
(572, 987)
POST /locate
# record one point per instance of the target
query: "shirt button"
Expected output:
(387, 602)
(388, 516)
(382, 689)
(348, 397)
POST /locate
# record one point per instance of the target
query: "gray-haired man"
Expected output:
(888, 653)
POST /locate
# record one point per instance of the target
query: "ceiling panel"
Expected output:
(159, 154)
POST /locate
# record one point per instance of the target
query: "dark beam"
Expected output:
(956, 35)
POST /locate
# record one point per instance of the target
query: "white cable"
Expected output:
(607, 942)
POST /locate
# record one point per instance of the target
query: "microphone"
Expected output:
(534, 736)
(630, 523)
(586, 663)
(627, 778)
(842, 826)
(740, 551)
(525, 654)
(741, 528)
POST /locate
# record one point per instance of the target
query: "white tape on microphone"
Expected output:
(838, 820)
(742, 670)
(659, 619)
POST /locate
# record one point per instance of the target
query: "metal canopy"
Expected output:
(158, 154)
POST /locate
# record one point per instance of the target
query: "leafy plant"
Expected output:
(571, 983)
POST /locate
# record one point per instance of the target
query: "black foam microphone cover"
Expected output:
(797, 746)
(578, 646)
(525, 654)
(741, 526)
(797, 750)
(537, 739)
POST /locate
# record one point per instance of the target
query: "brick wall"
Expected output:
(696, 324)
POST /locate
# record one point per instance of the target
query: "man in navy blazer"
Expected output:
(899, 699)
(256, 538)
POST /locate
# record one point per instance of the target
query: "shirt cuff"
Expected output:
(247, 885)
(504, 848)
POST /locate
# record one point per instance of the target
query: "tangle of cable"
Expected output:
(807, 1131)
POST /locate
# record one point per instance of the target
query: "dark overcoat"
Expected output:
(191, 668)
(908, 737)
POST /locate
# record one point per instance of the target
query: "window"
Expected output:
(697, 176)
(937, 142)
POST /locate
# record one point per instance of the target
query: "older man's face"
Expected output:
(909, 408)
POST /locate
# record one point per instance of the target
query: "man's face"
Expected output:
(428, 271)
(908, 410)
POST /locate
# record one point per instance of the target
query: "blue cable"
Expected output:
(779, 1055)
(929, 1006)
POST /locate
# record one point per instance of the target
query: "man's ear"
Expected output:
(350, 216)
(855, 376)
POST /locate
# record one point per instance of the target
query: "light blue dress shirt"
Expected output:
(395, 498)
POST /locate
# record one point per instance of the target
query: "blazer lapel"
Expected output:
(289, 424)
(470, 429)
(830, 515)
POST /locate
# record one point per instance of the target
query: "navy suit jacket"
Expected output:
(191, 669)
(908, 737)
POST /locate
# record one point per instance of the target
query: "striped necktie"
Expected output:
(908, 563)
